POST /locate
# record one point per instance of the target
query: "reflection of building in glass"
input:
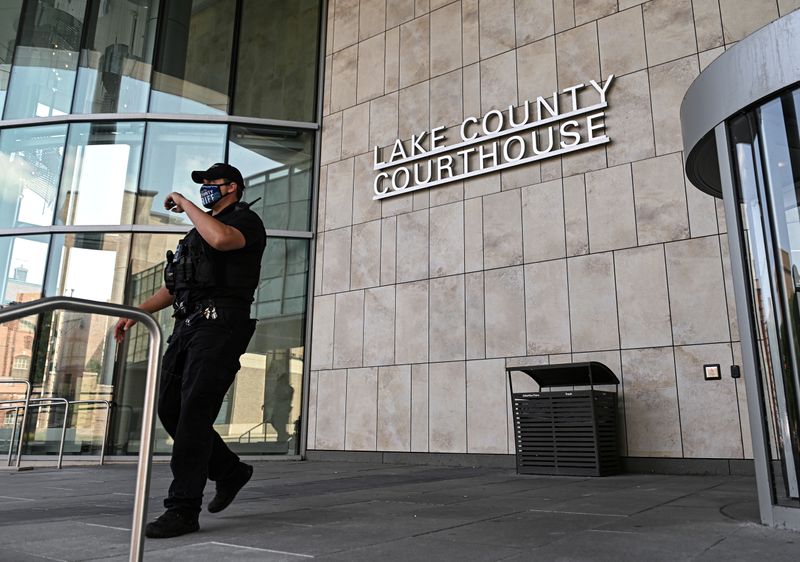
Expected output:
(87, 184)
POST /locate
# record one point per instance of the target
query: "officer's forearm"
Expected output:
(218, 235)
(161, 299)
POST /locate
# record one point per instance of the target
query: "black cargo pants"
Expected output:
(199, 365)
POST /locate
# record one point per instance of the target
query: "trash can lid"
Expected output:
(569, 374)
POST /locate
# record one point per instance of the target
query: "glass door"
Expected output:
(766, 151)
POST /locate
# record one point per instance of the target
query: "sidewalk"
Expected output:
(293, 511)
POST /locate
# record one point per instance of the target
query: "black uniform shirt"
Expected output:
(237, 271)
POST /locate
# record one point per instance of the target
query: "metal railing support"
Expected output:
(24, 413)
(16, 311)
(107, 404)
(40, 403)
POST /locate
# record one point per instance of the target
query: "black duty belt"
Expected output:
(207, 308)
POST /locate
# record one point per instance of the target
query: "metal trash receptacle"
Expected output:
(566, 432)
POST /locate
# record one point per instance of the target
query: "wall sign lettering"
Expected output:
(499, 140)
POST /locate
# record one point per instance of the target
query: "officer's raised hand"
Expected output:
(123, 325)
(175, 202)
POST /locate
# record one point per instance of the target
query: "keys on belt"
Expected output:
(209, 312)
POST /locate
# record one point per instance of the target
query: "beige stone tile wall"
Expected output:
(422, 300)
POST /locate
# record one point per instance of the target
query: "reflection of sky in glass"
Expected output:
(100, 184)
(90, 274)
(41, 83)
(249, 162)
(32, 255)
(132, 94)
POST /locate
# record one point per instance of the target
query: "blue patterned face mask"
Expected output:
(210, 194)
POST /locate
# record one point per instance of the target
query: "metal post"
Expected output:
(63, 434)
(105, 433)
(13, 436)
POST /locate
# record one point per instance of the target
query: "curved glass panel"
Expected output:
(171, 152)
(9, 22)
(101, 170)
(46, 59)
(115, 63)
(276, 166)
(281, 40)
(193, 60)
(30, 165)
(22, 265)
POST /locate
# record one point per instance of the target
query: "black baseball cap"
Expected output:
(219, 171)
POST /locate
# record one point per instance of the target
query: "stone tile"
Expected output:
(708, 409)
(563, 14)
(436, 4)
(412, 249)
(339, 195)
(702, 211)
(372, 18)
(447, 239)
(487, 414)
(786, 6)
(707, 57)
(446, 99)
(419, 408)
(371, 58)
(394, 408)
(519, 176)
(579, 46)
(388, 250)
(707, 23)
(365, 259)
(348, 332)
(585, 160)
(496, 19)
(625, 4)
(722, 224)
(326, 85)
(414, 51)
(547, 308)
(379, 321)
(472, 91)
(473, 234)
(322, 332)
(475, 329)
(422, 7)
(383, 120)
(330, 411)
(345, 24)
(447, 193)
(575, 220)
(414, 110)
(651, 409)
(329, 29)
(321, 196)
(668, 84)
(448, 408)
(355, 130)
(331, 149)
(610, 209)
(740, 18)
(319, 248)
(741, 395)
(696, 291)
(365, 208)
(622, 49)
(729, 294)
(311, 437)
(543, 222)
(361, 415)
(446, 39)
(336, 261)
(644, 319)
(592, 302)
(499, 82)
(447, 319)
(539, 77)
(470, 30)
(482, 185)
(629, 121)
(411, 328)
(504, 312)
(391, 72)
(502, 229)
(534, 20)
(660, 195)
(397, 205)
(669, 30)
(589, 10)
(422, 199)
(343, 84)
(398, 11)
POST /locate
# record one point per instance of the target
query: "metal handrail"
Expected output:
(249, 431)
(41, 403)
(24, 412)
(47, 304)
(107, 404)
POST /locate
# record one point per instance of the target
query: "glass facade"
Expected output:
(82, 185)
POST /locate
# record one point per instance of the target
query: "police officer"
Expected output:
(210, 280)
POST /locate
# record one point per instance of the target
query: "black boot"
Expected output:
(228, 488)
(172, 524)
